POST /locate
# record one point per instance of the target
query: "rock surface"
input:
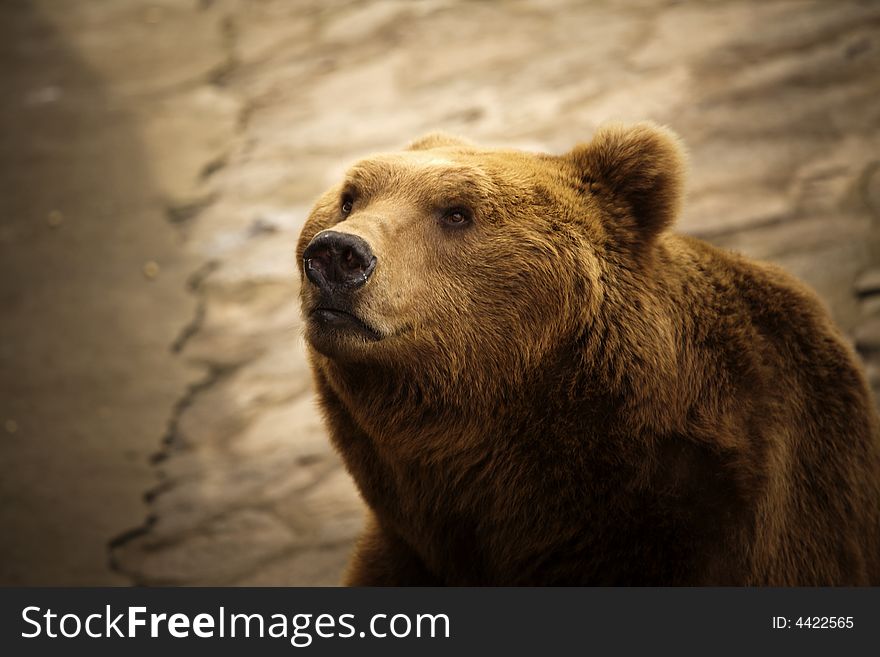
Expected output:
(775, 100)
(104, 118)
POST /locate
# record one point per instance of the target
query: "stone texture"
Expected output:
(775, 100)
(228, 548)
(868, 335)
(868, 282)
(105, 118)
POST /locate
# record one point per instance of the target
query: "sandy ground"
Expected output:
(228, 117)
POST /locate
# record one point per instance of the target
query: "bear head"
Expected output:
(459, 269)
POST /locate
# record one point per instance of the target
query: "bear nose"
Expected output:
(338, 260)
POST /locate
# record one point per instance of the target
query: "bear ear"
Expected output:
(437, 140)
(639, 167)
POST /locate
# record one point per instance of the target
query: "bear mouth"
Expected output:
(337, 320)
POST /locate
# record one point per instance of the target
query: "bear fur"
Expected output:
(541, 384)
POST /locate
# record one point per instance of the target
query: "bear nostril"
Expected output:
(338, 260)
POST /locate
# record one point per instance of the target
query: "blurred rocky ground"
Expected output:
(777, 102)
(103, 113)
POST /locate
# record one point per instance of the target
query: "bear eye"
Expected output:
(456, 217)
(347, 204)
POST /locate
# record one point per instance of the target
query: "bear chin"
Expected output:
(339, 334)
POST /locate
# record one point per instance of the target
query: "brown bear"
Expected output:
(534, 382)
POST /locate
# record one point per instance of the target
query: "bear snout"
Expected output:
(336, 261)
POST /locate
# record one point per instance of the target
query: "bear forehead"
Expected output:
(381, 172)
(483, 173)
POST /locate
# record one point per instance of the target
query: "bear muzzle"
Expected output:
(337, 265)
(338, 262)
